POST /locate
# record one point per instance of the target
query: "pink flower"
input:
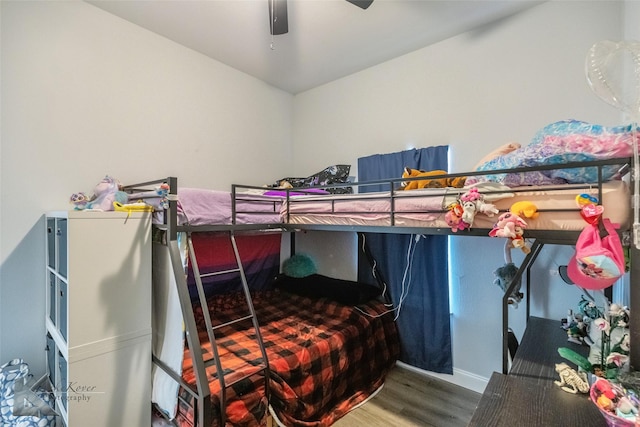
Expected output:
(602, 325)
(617, 358)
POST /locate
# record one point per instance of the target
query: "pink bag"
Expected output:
(599, 260)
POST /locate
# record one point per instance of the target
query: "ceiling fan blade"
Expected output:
(278, 20)
(361, 3)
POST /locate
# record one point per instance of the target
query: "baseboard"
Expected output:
(462, 378)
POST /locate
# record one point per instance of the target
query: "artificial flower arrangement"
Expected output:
(608, 338)
(608, 361)
(610, 353)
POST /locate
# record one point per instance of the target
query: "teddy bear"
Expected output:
(442, 182)
(511, 226)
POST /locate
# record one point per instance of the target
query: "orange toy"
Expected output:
(441, 182)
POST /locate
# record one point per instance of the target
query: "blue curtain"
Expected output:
(415, 269)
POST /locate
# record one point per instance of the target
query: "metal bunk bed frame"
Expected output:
(540, 237)
(202, 393)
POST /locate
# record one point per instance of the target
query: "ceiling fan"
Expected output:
(279, 23)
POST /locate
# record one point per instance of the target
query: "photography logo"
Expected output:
(76, 392)
(31, 399)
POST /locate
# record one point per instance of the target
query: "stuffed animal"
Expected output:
(518, 242)
(79, 201)
(472, 203)
(441, 182)
(453, 217)
(511, 226)
(105, 193)
(525, 209)
(284, 184)
(504, 277)
(469, 211)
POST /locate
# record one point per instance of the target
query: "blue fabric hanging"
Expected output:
(423, 321)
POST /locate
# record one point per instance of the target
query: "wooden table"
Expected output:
(528, 397)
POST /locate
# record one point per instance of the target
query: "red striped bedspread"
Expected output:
(325, 358)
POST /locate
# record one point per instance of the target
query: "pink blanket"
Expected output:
(209, 207)
(424, 204)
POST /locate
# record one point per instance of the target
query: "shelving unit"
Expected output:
(98, 318)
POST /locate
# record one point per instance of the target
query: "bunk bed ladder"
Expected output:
(264, 366)
(203, 394)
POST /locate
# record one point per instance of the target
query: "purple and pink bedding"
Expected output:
(562, 142)
(427, 207)
(197, 206)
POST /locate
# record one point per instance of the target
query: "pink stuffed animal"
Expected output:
(454, 221)
(454, 218)
(511, 226)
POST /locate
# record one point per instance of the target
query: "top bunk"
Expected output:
(484, 206)
(481, 207)
(570, 173)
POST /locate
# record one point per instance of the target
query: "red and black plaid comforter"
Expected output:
(324, 357)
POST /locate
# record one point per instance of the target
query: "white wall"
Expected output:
(631, 14)
(474, 92)
(86, 94)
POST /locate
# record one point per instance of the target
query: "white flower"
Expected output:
(625, 344)
(614, 309)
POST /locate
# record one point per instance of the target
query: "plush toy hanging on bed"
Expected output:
(506, 274)
(462, 212)
(511, 226)
(472, 203)
(590, 210)
(453, 217)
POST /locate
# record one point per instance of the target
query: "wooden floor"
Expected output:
(410, 400)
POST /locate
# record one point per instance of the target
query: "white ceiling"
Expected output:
(327, 39)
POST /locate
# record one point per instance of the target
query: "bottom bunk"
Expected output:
(325, 357)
